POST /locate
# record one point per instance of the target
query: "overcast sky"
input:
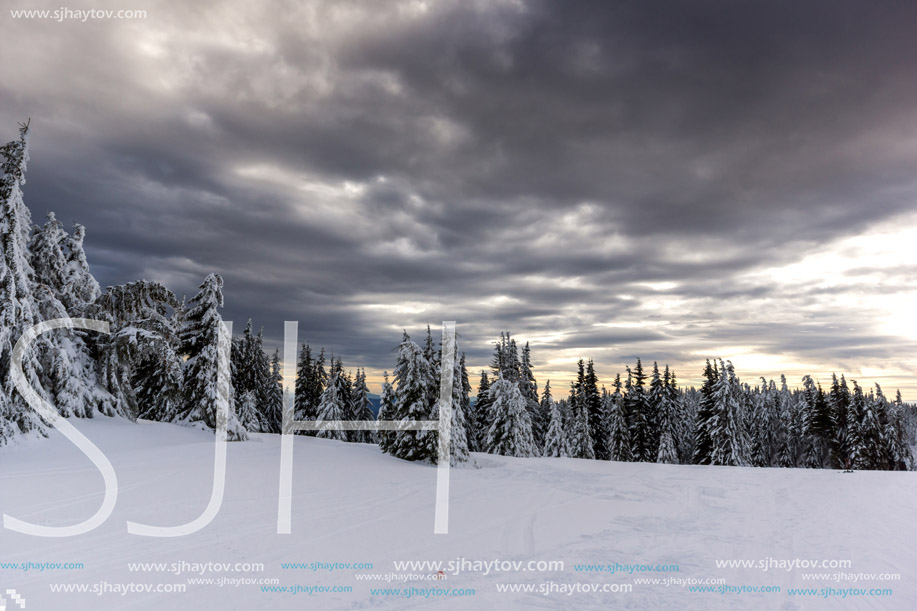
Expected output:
(670, 180)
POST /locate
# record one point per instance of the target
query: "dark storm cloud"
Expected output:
(542, 167)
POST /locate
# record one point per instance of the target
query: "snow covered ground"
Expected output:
(353, 504)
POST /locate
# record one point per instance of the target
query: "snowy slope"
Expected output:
(354, 505)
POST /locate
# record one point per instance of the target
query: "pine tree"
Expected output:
(555, 444)
(264, 384)
(856, 430)
(760, 430)
(839, 401)
(638, 408)
(510, 432)
(247, 411)
(874, 429)
(665, 399)
(245, 378)
(303, 409)
(158, 382)
(458, 438)
(686, 406)
(274, 401)
(466, 401)
(350, 408)
(506, 359)
(703, 444)
(872, 454)
(333, 404)
(897, 446)
(620, 445)
(318, 380)
(579, 436)
(362, 408)
(17, 308)
(80, 287)
(818, 424)
(140, 315)
(413, 380)
(387, 411)
(432, 355)
(479, 421)
(207, 388)
(71, 379)
(253, 382)
(528, 386)
(729, 441)
(67, 370)
(49, 263)
(789, 429)
(655, 399)
(597, 417)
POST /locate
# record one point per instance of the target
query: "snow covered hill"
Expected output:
(366, 511)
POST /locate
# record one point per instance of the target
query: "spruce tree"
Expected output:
(158, 382)
(49, 263)
(362, 408)
(637, 405)
(872, 430)
(597, 418)
(387, 411)
(788, 428)
(303, 408)
(839, 400)
(264, 384)
(247, 379)
(466, 401)
(684, 416)
(898, 447)
(247, 411)
(458, 438)
(654, 401)
(207, 388)
(141, 316)
(479, 421)
(555, 444)
(529, 388)
(318, 380)
(413, 380)
(857, 434)
(579, 434)
(818, 423)
(67, 371)
(67, 368)
(703, 443)
(510, 432)
(17, 308)
(760, 430)
(333, 404)
(80, 287)
(687, 406)
(667, 448)
(727, 433)
(432, 355)
(620, 445)
(274, 401)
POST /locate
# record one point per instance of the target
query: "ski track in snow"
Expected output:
(353, 504)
